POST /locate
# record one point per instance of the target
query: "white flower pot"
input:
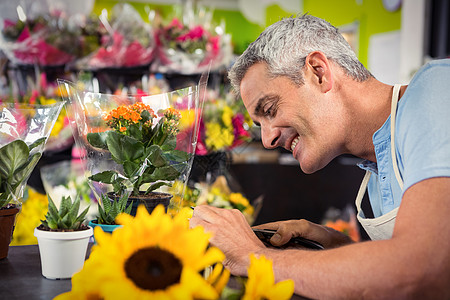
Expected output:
(62, 253)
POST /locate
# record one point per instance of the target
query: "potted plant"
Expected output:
(144, 150)
(24, 130)
(16, 163)
(63, 239)
(108, 210)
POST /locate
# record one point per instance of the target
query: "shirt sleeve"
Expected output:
(423, 125)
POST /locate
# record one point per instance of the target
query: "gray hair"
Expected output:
(284, 46)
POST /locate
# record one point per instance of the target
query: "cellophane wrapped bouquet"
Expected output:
(46, 36)
(133, 143)
(39, 91)
(126, 41)
(191, 43)
(24, 131)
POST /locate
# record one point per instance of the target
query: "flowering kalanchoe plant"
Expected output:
(145, 150)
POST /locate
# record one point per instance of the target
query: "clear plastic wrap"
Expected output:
(47, 33)
(24, 130)
(126, 158)
(127, 41)
(192, 43)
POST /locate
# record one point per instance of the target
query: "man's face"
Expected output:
(297, 118)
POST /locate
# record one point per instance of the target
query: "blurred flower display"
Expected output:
(191, 43)
(49, 40)
(34, 208)
(343, 221)
(126, 41)
(219, 195)
(225, 124)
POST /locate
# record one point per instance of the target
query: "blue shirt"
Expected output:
(422, 138)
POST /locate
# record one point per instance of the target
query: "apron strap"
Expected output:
(365, 181)
(393, 114)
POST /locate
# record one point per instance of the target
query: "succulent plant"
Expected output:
(111, 209)
(66, 218)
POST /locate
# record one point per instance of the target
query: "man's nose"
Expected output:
(270, 137)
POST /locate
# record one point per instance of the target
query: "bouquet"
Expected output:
(40, 92)
(190, 46)
(48, 40)
(135, 144)
(225, 125)
(24, 130)
(126, 41)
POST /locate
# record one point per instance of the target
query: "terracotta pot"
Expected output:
(62, 253)
(7, 221)
(150, 200)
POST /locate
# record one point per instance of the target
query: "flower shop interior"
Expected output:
(144, 48)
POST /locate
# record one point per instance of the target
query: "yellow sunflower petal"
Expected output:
(104, 273)
(282, 290)
(261, 281)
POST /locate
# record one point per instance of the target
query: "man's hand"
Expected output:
(231, 234)
(286, 230)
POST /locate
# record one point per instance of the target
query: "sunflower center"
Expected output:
(153, 269)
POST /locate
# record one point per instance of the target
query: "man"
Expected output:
(305, 88)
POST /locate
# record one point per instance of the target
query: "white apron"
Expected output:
(382, 227)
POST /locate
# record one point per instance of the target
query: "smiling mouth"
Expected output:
(294, 143)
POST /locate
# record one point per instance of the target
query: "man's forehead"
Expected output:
(254, 80)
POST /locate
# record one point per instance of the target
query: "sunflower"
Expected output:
(261, 282)
(150, 257)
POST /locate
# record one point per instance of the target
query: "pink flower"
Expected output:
(176, 23)
(34, 95)
(195, 33)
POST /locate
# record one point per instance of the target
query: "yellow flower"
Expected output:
(227, 116)
(237, 198)
(217, 137)
(33, 210)
(150, 257)
(187, 118)
(261, 282)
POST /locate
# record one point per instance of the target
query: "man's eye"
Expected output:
(269, 111)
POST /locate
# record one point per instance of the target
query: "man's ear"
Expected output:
(319, 70)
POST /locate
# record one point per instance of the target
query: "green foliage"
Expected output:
(111, 209)
(147, 154)
(16, 164)
(66, 217)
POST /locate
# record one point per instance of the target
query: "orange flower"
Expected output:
(123, 129)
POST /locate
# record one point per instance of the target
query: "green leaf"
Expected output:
(81, 218)
(155, 156)
(13, 156)
(169, 144)
(98, 139)
(106, 177)
(157, 186)
(64, 207)
(135, 131)
(25, 170)
(130, 168)
(167, 173)
(176, 155)
(4, 199)
(37, 143)
(73, 211)
(124, 148)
